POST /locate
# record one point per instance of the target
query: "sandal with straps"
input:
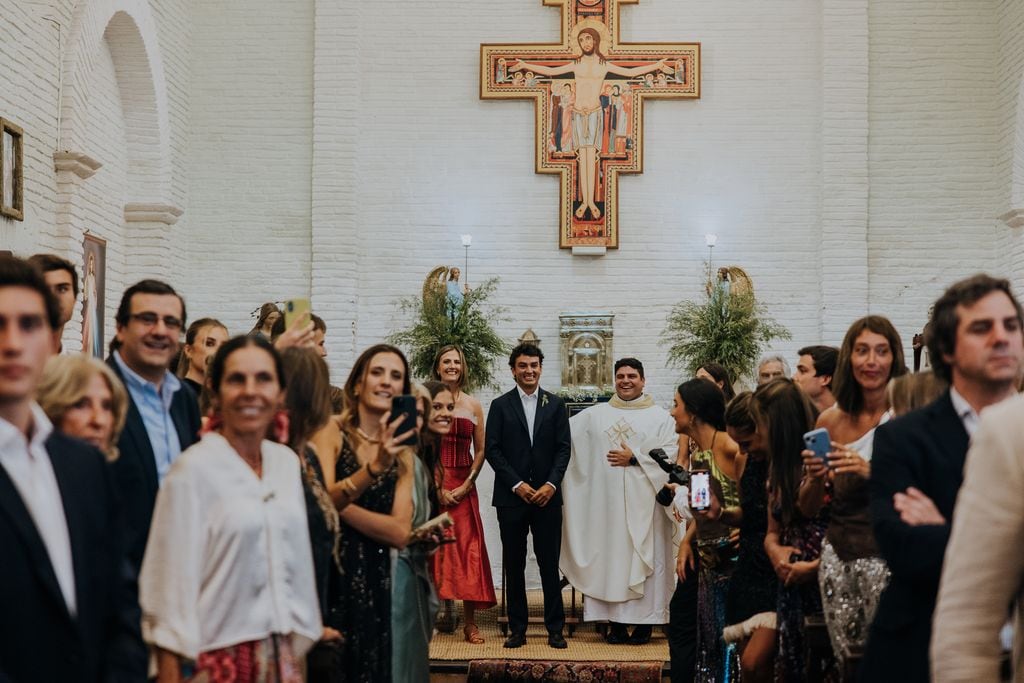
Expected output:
(472, 634)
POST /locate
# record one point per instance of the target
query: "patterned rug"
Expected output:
(499, 670)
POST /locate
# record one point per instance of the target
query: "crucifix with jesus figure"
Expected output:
(589, 93)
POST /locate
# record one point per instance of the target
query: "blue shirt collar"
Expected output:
(135, 381)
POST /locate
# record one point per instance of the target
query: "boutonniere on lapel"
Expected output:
(543, 400)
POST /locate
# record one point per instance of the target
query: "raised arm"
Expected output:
(391, 529)
(566, 68)
(659, 65)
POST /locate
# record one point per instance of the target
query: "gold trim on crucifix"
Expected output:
(588, 92)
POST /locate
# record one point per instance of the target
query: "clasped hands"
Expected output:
(789, 570)
(538, 497)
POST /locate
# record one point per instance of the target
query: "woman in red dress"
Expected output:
(462, 570)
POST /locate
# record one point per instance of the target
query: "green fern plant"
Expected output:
(730, 329)
(471, 327)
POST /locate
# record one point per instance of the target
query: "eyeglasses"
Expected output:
(151, 319)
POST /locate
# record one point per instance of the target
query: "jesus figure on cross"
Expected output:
(589, 71)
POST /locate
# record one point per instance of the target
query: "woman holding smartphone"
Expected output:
(462, 569)
(414, 600)
(853, 574)
(360, 595)
(699, 412)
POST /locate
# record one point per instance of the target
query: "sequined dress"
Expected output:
(799, 600)
(717, 562)
(462, 570)
(852, 574)
(360, 595)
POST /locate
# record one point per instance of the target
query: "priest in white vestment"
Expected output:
(617, 542)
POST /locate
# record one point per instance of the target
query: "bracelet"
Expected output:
(349, 486)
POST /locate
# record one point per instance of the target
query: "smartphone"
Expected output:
(405, 407)
(700, 490)
(293, 308)
(819, 441)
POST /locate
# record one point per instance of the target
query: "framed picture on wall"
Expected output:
(11, 171)
(94, 279)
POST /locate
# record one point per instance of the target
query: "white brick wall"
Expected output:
(851, 156)
(933, 140)
(69, 81)
(250, 142)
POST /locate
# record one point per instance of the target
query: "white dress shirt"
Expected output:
(28, 465)
(965, 412)
(229, 557)
(529, 402)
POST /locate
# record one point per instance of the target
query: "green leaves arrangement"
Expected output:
(730, 329)
(471, 328)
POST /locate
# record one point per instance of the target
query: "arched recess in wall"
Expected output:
(128, 30)
(1015, 216)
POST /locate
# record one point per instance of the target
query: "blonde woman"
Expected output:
(84, 399)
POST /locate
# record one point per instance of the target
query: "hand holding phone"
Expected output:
(700, 490)
(293, 310)
(819, 443)
(404, 407)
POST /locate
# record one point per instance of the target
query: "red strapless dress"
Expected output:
(462, 570)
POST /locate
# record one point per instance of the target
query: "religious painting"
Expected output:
(589, 91)
(94, 278)
(11, 171)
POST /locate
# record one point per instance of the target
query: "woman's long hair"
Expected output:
(849, 394)
(704, 400)
(786, 413)
(430, 447)
(462, 357)
(350, 410)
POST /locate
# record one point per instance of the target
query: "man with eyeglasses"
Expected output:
(163, 414)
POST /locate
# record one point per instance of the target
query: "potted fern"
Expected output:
(731, 329)
(469, 323)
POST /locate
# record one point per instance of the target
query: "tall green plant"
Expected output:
(730, 329)
(471, 327)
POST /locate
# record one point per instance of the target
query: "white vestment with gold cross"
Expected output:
(617, 542)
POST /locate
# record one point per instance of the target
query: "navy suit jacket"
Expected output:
(926, 449)
(135, 469)
(39, 638)
(514, 458)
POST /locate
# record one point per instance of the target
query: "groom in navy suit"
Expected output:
(528, 445)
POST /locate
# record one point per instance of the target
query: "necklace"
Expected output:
(367, 437)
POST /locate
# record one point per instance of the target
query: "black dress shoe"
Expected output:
(515, 640)
(641, 635)
(557, 641)
(617, 634)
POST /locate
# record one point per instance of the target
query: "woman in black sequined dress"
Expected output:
(360, 595)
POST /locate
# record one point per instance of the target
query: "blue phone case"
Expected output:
(818, 441)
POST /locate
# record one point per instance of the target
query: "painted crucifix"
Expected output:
(589, 93)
